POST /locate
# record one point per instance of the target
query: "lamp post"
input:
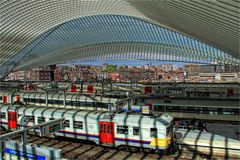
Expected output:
(12, 94)
(64, 93)
(46, 94)
(102, 84)
(128, 99)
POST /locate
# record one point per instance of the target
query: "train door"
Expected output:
(106, 132)
(147, 90)
(5, 99)
(29, 86)
(230, 92)
(17, 98)
(73, 88)
(90, 89)
(12, 119)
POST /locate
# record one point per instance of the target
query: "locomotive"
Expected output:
(105, 128)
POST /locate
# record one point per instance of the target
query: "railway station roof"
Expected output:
(36, 33)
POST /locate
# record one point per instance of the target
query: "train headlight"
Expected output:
(169, 140)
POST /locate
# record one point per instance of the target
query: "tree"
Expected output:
(110, 68)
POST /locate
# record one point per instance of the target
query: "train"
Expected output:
(146, 105)
(193, 90)
(115, 129)
(72, 100)
(143, 104)
(200, 109)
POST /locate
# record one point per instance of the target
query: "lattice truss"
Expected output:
(37, 33)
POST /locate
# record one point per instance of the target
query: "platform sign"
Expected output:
(12, 154)
(16, 150)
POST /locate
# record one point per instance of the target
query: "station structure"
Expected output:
(46, 33)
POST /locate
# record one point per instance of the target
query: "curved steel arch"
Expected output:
(23, 21)
(103, 29)
(139, 51)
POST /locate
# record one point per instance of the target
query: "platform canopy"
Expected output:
(37, 33)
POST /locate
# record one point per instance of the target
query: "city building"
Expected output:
(41, 73)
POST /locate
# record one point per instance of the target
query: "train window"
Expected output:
(2, 115)
(75, 103)
(57, 102)
(50, 101)
(122, 129)
(25, 100)
(12, 116)
(104, 128)
(41, 120)
(110, 129)
(153, 132)
(1, 98)
(135, 130)
(158, 108)
(100, 105)
(66, 123)
(33, 100)
(109, 106)
(31, 119)
(229, 111)
(77, 124)
(42, 101)
(167, 101)
(169, 108)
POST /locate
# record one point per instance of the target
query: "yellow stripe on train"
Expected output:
(160, 142)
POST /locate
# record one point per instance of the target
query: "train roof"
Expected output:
(69, 96)
(50, 111)
(164, 119)
(197, 106)
(5, 92)
(119, 118)
(59, 112)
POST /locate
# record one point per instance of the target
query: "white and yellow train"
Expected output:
(104, 128)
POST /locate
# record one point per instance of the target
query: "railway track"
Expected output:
(83, 150)
(73, 149)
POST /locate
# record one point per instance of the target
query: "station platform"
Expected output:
(208, 143)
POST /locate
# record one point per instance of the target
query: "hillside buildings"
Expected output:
(147, 73)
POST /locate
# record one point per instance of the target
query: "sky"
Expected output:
(124, 62)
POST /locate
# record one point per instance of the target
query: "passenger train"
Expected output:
(104, 128)
(73, 100)
(200, 109)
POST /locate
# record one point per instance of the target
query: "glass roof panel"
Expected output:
(156, 42)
